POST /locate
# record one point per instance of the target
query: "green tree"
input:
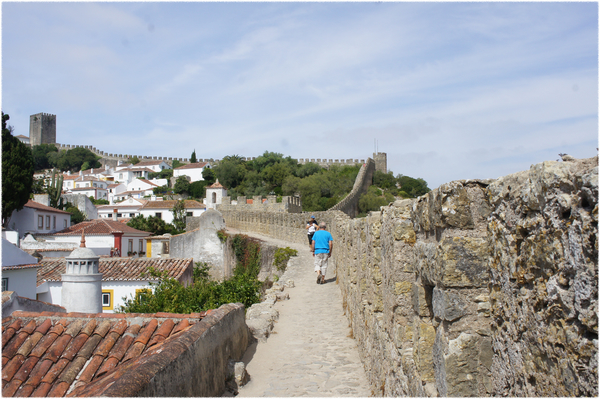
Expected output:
(413, 187)
(372, 200)
(231, 171)
(179, 214)
(193, 157)
(76, 215)
(41, 156)
(54, 189)
(134, 160)
(384, 180)
(176, 164)
(208, 175)
(73, 159)
(182, 185)
(17, 172)
(152, 224)
(198, 189)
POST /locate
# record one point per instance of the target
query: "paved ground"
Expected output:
(311, 351)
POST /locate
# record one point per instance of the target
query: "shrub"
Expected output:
(282, 256)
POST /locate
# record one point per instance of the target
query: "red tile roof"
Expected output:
(148, 182)
(169, 204)
(197, 165)
(99, 227)
(59, 354)
(37, 205)
(216, 185)
(147, 163)
(119, 269)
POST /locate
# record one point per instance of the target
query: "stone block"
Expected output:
(404, 232)
(455, 205)
(448, 305)
(420, 304)
(462, 262)
(423, 354)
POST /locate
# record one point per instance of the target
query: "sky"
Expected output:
(447, 90)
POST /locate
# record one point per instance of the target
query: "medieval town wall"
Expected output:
(478, 288)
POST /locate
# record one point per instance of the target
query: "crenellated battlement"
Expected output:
(257, 203)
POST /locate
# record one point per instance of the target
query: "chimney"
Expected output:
(82, 283)
(115, 214)
(92, 170)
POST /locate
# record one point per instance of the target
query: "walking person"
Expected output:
(321, 248)
(311, 226)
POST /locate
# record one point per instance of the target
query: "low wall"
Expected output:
(195, 364)
(288, 204)
(478, 288)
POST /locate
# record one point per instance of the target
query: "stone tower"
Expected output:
(82, 283)
(42, 129)
(380, 159)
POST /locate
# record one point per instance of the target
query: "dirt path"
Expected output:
(311, 351)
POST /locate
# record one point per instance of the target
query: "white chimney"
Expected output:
(115, 214)
(82, 283)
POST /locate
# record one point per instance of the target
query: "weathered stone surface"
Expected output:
(462, 262)
(448, 305)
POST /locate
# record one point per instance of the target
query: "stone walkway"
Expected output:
(311, 351)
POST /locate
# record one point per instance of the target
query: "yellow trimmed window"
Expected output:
(107, 299)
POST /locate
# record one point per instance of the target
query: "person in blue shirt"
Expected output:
(321, 247)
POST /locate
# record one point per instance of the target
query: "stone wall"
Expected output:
(349, 205)
(479, 288)
(288, 204)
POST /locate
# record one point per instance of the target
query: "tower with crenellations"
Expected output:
(380, 159)
(42, 129)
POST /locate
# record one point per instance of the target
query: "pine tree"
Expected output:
(193, 157)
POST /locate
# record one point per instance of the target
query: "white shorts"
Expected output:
(321, 263)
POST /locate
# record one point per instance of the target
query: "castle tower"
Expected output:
(82, 283)
(42, 129)
(380, 159)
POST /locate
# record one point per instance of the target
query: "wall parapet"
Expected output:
(494, 279)
(289, 204)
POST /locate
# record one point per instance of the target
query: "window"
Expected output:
(119, 215)
(47, 222)
(4, 284)
(130, 246)
(158, 215)
(110, 215)
(107, 299)
(65, 223)
(214, 198)
(140, 291)
(165, 247)
(40, 222)
(131, 215)
(54, 222)
(141, 246)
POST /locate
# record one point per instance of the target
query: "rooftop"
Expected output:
(99, 227)
(75, 354)
(37, 205)
(117, 269)
(169, 204)
(197, 165)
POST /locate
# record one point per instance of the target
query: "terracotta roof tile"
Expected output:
(102, 226)
(24, 391)
(42, 389)
(12, 367)
(119, 269)
(58, 347)
(41, 207)
(91, 368)
(197, 165)
(11, 388)
(59, 390)
(55, 371)
(75, 349)
(39, 371)
(168, 204)
(26, 368)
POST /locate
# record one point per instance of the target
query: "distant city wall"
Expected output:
(288, 204)
(111, 159)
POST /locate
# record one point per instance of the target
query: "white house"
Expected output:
(114, 189)
(193, 170)
(103, 174)
(36, 218)
(214, 195)
(19, 270)
(128, 208)
(163, 209)
(102, 235)
(23, 139)
(143, 185)
(127, 175)
(121, 277)
(156, 166)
